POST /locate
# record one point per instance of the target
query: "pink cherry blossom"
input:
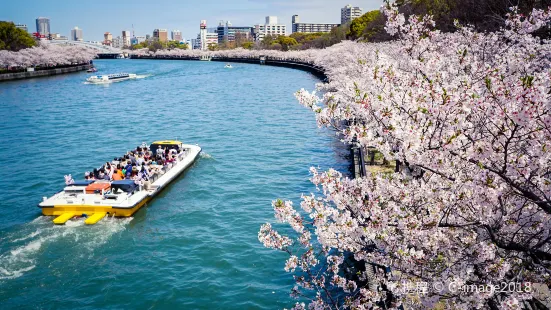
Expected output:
(468, 116)
(47, 55)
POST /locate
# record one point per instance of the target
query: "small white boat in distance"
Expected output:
(111, 77)
(228, 66)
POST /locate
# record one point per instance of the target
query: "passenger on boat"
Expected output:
(133, 158)
(160, 161)
(117, 176)
(140, 160)
(90, 176)
(145, 176)
(69, 180)
(115, 161)
(109, 171)
(119, 172)
(128, 167)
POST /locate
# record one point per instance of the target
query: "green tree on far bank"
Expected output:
(267, 41)
(360, 24)
(247, 45)
(213, 47)
(14, 39)
(155, 45)
(305, 37)
(286, 42)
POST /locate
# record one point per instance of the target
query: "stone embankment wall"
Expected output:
(41, 73)
(268, 61)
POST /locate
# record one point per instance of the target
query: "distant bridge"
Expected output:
(102, 49)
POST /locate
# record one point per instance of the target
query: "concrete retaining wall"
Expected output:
(317, 71)
(40, 73)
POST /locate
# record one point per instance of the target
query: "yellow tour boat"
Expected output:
(95, 199)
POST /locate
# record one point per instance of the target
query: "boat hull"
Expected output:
(58, 209)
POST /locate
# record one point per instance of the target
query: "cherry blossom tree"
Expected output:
(468, 116)
(47, 55)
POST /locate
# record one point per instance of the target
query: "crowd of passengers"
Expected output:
(138, 165)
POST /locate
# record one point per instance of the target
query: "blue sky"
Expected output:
(96, 17)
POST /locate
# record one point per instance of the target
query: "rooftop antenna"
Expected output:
(133, 35)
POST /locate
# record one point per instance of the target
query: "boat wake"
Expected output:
(98, 83)
(26, 245)
(138, 76)
(206, 156)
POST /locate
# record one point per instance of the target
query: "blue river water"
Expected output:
(195, 245)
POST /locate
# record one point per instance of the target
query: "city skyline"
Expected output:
(119, 16)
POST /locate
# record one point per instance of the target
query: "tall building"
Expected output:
(117, 42)
(126, 38)
(43, 26)
(176, 35)
(209, 38)
(203, 35)
(311, 28)
(228, 33)
(161, 35)
(76, 34)
(271, 27)
(107, 38)
(22, 26)
(195, 44)
(349, 13)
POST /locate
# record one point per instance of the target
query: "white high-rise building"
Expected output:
(271, 20)
(349, 13)
(126, 38)
(203, 35)
(271, 27)
(76, 34)
(309, 27)
(208, 39)
(117, 42)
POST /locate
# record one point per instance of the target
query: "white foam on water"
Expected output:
(205, 155)
(31, 235)
(5, 274)
(18, 261)
(75, 236)
(99, 83)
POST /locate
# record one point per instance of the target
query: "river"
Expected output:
(195, 246)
